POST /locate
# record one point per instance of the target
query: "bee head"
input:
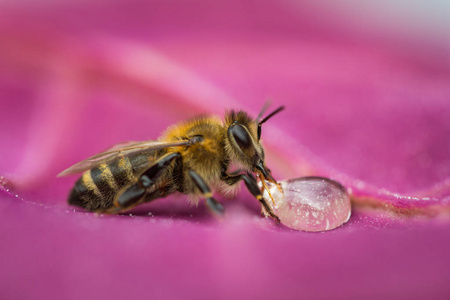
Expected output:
(243, 140)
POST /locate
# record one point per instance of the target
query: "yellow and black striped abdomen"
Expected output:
(96, 188)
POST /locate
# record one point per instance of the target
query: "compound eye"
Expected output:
(241, 136)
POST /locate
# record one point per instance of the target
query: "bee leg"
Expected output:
(133, 194)
(252, 186)
(215, 206)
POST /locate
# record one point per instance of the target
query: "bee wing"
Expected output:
(122, 149)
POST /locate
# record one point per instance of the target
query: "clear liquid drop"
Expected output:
(309, 203)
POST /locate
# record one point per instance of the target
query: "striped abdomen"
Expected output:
(96, 188)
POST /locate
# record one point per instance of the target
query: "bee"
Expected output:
(192, 157)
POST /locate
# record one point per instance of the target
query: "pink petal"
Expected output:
(366, 107)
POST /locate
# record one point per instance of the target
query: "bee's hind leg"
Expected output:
(134, 194)
(214, 206)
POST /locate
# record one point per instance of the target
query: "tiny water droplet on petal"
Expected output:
(310, 203)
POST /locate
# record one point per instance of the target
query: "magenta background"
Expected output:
(368, 108)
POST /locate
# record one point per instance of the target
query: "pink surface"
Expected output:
(371, 113)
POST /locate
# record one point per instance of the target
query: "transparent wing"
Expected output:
(121, 149)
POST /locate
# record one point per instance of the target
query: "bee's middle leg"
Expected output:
(134, 194)
(215, 206)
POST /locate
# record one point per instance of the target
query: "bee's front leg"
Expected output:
(252, 186)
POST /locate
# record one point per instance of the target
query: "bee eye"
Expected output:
(240, 135)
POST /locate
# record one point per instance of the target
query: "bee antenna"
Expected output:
(267, 118)
(263, 110)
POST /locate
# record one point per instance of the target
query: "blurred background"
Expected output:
(86, 65)
(367, 91)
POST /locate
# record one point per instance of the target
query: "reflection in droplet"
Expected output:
(310, 203)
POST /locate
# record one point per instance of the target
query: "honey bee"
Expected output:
(192, 157)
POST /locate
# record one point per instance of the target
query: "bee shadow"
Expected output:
(172, 207)
(177, 207)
